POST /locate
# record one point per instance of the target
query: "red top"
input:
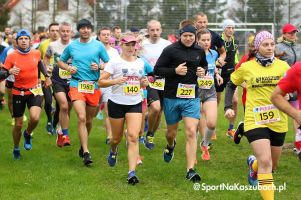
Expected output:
(291, 82)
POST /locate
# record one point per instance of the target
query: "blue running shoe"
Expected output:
(169, 153)
(149, 142)
(112, 158)
(16, 153)
(50, 129)
(27, 141)
(132, 178)
(141, 139)
(252, 175)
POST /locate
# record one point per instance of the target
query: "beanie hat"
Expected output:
(260, 37)
(83, 23)
(188, 28)
(227, 23)
(23, 32)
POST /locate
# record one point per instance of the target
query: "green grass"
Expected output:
(49, 172)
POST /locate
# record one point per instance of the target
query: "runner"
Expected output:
(60, 83)
(151, 50)
(125, 102)
(181, 63)
(53, 30)
(265, 126)
(207, 93)
(85, 70)
(104, 35)
(25, 64)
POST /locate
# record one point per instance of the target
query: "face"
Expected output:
(128, 49)
(205, 41)
(7, 30)
(54, 32)
(117, 33)
(187, 39)
(154, 31)
(229, 31)
(104, 36)
(10, 39)
(292, 36)
(85, 32)
(201, 22)
(23, 42)
(65, 33)
(14, 40)
(266, 48)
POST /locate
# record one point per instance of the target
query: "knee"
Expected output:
(35, 118)
(156, 108)
(191, 133)
(265, 163)
(81, 119)
(132, 139)
(64, 107)
(115, 140)
(211, 125)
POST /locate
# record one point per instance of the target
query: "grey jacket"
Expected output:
(292, 52)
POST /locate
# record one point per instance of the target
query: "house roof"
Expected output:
(10, 4)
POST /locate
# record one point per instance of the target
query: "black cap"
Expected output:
(134, 29)
(83, 23)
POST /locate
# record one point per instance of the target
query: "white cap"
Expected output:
(227, 23)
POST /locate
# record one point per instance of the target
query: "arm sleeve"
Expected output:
(42, 68)
(230, 89)
(49, 52)
(237, 77)
(219, 41)
(164, 60)
(204, 63)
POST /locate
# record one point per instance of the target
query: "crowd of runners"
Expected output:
(135, 76)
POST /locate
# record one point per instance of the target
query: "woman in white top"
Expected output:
(124, 106)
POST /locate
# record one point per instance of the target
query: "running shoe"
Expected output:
(252, 175)
(239, 132)
(141, 139)
(112, 158)
(59, 140)
(168, 153)
(149, 142)
(205, 153)
(213, 137)
(49, 128)
(193, 176)
(66, 140)
(27, 141)
(108, 141)
(16, 153)
(132, 178)
(87, 159)
(230, 133)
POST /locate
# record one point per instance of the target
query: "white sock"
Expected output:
(208, 135)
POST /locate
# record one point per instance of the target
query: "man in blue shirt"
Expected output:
(85, 70)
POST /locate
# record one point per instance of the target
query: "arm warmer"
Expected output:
(3, 73)
(230, 89)
(42, 69)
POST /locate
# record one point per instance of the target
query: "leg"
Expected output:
(210, 110)
(107, 122)
(90, 114)
(34, 117)
(62, 101)
(153, 115)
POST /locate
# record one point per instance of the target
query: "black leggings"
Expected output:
(48, 102)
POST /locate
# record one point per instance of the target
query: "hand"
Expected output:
(220, 62)
(200, 72)
(287, 97)
(121, 80)
(229, 114)
(47, 82)
(151, 79)
(144, 81)
(72, 69)
(219, 80)
(14, 71)
(181, 69)
(94, 66)
(49, 68)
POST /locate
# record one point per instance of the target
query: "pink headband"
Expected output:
(260, 37)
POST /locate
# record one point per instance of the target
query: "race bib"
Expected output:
(159, 84)
(132, 86)
(86, 87)
(64, 74)
(186, 91)
(36, 91)
(205, 82)
(266, 114)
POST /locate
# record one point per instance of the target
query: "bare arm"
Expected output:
(104, 80)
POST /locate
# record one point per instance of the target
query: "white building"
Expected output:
(38, 14)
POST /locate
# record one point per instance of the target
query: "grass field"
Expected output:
(49, 172)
